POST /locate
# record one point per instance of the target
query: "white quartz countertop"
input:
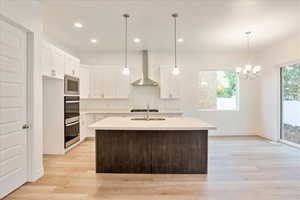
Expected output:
(128, 112)
(172, 123)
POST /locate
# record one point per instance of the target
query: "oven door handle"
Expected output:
(71, 124)
(72, 101)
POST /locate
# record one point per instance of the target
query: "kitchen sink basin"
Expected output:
(149, 119)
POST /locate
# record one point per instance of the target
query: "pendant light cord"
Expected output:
(175, 38)
(126, 16)
(175, 15)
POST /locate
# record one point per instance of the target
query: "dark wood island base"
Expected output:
(151, 151)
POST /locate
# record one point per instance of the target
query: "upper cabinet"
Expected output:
(58, 67)
(72, 66)
(57, 63)
(122, 84)
(84, 76)
(108, 83)
(169, 84)
(47, 60)
(96, 83)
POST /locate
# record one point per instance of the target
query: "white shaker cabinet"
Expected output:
(72, 66)
(58, 67)
(53, 61)
(108, 83)
(56, 63)
(122, 84)
(96, 83)
(47, 60)
(84, 76)
(169, 84)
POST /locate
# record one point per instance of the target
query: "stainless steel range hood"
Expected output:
(145, 80)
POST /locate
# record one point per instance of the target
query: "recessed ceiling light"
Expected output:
(137, 40)
(180, 40)
(78, 25)
(94, 41)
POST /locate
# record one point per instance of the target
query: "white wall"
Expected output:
(27, 14)
(245, 121)
(284, 52)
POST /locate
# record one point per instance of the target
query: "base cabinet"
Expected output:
(143, 151)
(120, 152)
(83, 126)
(179, 152)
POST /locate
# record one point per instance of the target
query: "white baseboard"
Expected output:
(269, 138)
(36, 175)
(233, 133)
(230, 135)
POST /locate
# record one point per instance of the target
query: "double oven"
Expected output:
(72, 110)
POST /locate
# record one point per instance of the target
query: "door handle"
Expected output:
(25, 126)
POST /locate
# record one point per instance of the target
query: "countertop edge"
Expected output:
(127, 112)
(173, 124)
(154, 129)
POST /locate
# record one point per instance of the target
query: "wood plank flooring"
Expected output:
(240, 168)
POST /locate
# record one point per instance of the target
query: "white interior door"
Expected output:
(13, 146)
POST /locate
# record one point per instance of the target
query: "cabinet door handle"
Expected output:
(73, 71)
(25, 126)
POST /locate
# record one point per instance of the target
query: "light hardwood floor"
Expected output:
(240, 168)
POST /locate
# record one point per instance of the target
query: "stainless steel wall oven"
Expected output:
(72, 120)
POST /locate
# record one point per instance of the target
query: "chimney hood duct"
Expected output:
(145, 80)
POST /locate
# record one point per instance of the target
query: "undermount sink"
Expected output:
(148, 119)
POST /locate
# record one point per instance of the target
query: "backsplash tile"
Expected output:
(139, 97)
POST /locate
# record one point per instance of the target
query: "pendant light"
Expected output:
(126, 69)
(248, 72)
(175, 69)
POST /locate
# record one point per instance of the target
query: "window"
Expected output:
(218, 90)
(290, 104)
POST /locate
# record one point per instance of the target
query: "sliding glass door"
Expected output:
(290, 104)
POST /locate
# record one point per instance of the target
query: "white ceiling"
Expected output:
(204, 24)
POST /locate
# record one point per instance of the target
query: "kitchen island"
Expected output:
(157, 145)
